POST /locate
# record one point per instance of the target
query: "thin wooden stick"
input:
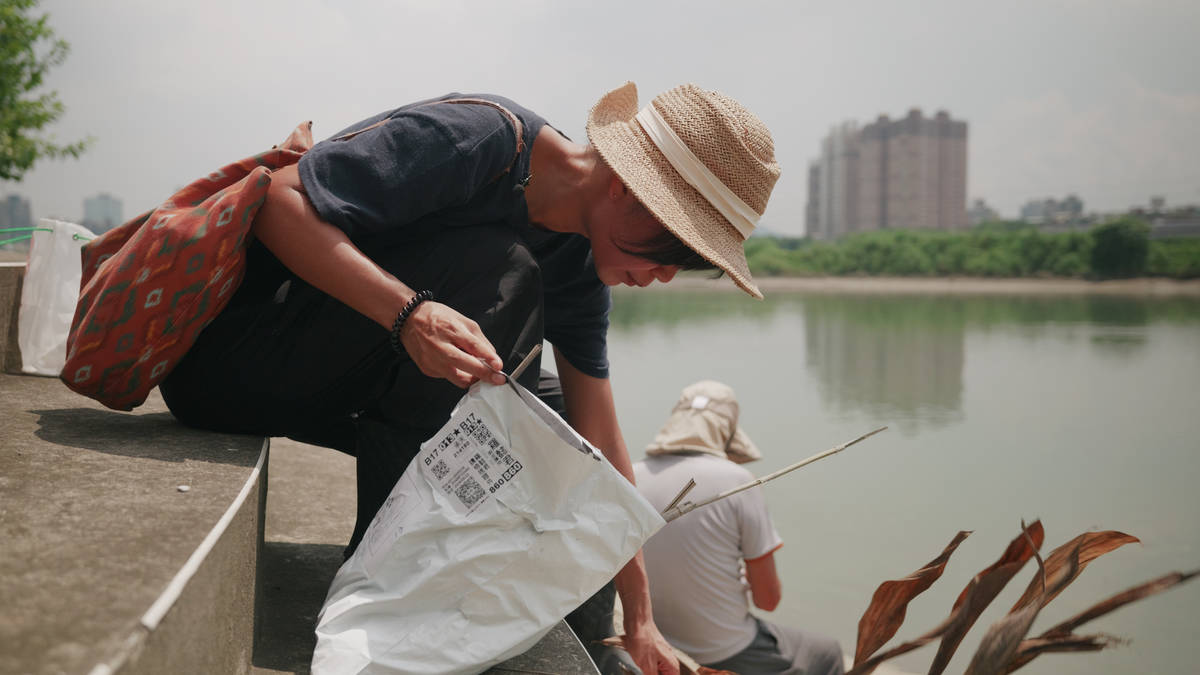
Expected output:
(675, 510)
(516, 373)
(682, 493)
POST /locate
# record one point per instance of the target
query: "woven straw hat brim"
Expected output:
(643, 168)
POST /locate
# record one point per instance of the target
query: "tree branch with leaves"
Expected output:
(28, 50)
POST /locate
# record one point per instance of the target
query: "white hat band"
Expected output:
(737, 212)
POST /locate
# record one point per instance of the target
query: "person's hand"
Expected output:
(650, 650)
(448, 345)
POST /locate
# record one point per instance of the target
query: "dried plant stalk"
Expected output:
(889, 604)
(999, 644)
(1059, 638)
(977, 595)
(1087, 547)
(677, 510)
(984, 588)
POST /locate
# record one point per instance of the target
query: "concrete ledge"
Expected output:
(11, 275)
(107, 565)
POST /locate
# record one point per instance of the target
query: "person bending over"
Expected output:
(429, 246)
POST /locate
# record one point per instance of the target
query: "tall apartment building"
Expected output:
(905, 173)
(101, 213)
(14, 213)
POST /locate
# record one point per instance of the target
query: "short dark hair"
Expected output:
(667, 249)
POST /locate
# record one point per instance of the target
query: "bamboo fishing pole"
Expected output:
(675, 509)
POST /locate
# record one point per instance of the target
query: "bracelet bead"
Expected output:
(403, 315)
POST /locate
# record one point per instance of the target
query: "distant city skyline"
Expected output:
(1063, 97)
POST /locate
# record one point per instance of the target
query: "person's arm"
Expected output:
(442, 342)
(590, 408)
(765, 587)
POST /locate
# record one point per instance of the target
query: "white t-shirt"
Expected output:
(694, 563)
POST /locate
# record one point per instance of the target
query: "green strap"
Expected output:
(74, 235)
(6, 242)
(26, 229)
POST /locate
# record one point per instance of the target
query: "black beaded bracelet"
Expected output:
(405, 312)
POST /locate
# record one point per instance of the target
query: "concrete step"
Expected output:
(133, 544)
(130, 541)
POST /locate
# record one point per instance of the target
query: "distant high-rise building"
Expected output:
(907, 173)
(101, 213)
(14, 213)
(833, 183)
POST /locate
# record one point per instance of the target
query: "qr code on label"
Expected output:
(440, 470)
(469, 492)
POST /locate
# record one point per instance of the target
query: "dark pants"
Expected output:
(284, 359)
(781, 650)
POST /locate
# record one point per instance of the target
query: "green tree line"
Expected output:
(1119, 248)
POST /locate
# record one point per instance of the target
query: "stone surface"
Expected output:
(94, 530)
(11, 274)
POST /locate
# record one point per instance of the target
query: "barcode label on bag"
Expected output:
(469, 464)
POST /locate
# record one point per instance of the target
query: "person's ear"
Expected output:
(616, 188)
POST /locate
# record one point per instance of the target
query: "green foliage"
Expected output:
(1004, 226)
(28, 49)
(1120, 248)
(1174, 258)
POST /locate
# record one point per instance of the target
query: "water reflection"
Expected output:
(898, 357)
(895, 359)
(656, 307)
(1077, 410)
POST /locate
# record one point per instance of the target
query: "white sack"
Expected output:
(48, 295)
(505, 522)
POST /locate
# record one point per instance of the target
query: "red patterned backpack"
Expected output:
(151, 285)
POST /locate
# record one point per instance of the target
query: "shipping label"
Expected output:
(469, 464)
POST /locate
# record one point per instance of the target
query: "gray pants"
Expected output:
(781, 650)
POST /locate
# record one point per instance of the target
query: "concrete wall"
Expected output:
(11, 275)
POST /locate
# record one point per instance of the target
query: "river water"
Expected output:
(1081, 411)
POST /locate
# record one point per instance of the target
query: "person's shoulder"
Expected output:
(464, 125)
(721, 465)
(472, 116)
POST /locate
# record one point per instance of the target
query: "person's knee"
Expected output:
(827, 656)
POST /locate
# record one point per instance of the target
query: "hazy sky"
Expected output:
(1100, 98)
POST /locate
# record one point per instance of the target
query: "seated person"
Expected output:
(694, 564)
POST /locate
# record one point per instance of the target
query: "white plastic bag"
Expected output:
(48, 295)
(505, 522)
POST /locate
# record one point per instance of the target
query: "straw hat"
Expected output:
(705, 419)
(698, 160)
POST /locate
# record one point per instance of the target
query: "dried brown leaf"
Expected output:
(868, 666)
(1031, 648)
(1000, 642)
(1059, 637)
(885, 614)
(1144, 590)
(1059, 573)
(983, 589)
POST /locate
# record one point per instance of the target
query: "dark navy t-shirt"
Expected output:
(431, 166)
